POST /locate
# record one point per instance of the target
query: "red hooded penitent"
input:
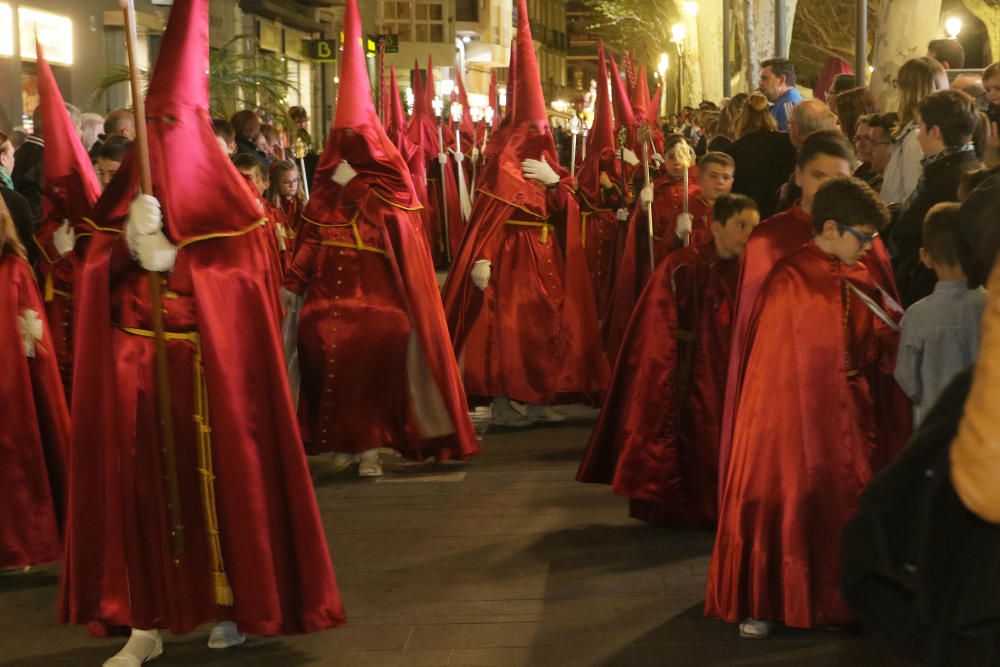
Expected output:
(254, 551)
(377, 365)
(69, 193)
(532, 334)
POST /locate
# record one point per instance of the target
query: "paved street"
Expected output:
(506, 561)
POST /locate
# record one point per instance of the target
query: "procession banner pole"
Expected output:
(162, 367)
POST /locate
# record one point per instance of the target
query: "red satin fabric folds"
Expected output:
(34, 439)
(818, 415)
(656, 441)
(377, 365)
(532, 335)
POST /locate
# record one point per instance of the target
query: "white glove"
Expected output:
(31, 330)
(646, 197)
(539, 170)
(458, 156)
(289, 300)
(144, 217)
(622, 214)
(631, 158)
(657, 159)
(685, 223)
(154, 252)
(443, 158)
(475, 153)
(64, 238)
(343, 174)
(481, 274)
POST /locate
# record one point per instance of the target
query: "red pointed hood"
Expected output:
(357, 136)
(601, 143)
(71, 187)
(429, 92)
(494, 101)
(417, 86)
(630, 77)
(620, 99)
(395, 118)
(654, 105)
(640, 95)
(529, 100)
(526, 134)
(200, 192)
(422, 128)
(467, 128)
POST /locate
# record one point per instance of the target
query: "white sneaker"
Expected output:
(371, 465)
(340, 462)
(225, 635)
(141, 647)
(544, 413)
(753, 629)
(504, 414)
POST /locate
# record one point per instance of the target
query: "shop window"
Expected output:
(55, 33)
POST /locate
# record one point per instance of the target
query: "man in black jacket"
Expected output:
(947, 119)
(29, 170)
(20, 212)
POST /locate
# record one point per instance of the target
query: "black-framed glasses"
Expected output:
(863, 239)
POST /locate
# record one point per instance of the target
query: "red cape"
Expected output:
(35, 436)
(775, 238)
(657, 437)
(633, 268)
(819, 415)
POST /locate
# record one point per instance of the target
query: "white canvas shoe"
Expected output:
(340, 462)
(544, 413)
(504, 414)
(753, 629)
(371, 465)
(225, 635)
(140, 648)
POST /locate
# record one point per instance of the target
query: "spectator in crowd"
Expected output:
(300, 123)
(763, 155)
(917, 79)
(973, 179)
(941, 331)
(110, 158)
(246, 125)
(91, 128)
(725, 131)
(29, 172)
(119, 123)
(777, 82)
(946, 120)
(949, 52)
(851, 105)
(6, 161)
(879, 145)
(20, 211)
(806, 118)
(273, 146)
(841, 84)
(225, 135)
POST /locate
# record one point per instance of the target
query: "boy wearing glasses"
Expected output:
(818, 414)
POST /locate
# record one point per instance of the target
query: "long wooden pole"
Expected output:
(162, 367)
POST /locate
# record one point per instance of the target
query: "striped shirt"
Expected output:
(940, 338)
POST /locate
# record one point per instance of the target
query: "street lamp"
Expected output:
(663, 67)
(678, 33)
(953, 26)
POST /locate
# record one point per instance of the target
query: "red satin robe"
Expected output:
(377, 365)
(533, 334)
(226, 373)
(633, 268)
(437, 201)
(600, 231)
(775, 238)
(657, 438)
(35, 432)
(819, 414)
(57, 275)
